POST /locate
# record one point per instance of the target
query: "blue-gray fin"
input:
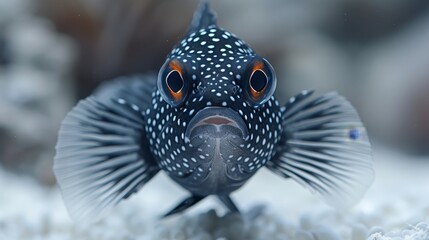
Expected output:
(325, 148)
(229, 203)
(102, 155)
(185, 204)
(204, 17)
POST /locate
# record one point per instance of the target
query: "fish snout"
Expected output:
(216, 123)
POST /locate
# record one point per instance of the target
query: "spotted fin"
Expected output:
(102, 154)
(325, 148)
(204, 17)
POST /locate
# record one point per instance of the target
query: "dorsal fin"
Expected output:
(204, 17)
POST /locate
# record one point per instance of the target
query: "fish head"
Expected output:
(222, 119)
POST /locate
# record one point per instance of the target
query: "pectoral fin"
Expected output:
(325, 148)
(102, 153)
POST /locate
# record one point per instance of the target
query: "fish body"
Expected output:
(210, 121)
(218, 137)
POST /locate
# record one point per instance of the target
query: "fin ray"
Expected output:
(229, 203)
(319, 151)
(204, 17)
(185, 204)
(102, 152)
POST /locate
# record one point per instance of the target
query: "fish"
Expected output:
(210, 121)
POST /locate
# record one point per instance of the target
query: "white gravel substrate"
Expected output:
(396, 207)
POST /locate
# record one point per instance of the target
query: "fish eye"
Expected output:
(257, 82)
(172, 83)
(260, 82)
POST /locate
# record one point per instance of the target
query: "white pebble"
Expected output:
(423, 226)
(303, 235)
(359, 231)
(375, 229)
(324, 233)
(201, 236)
(306, 221)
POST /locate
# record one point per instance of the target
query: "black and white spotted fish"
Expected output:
(210, 121)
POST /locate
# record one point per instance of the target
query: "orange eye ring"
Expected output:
(260, 82)
(175, 65)
(173, 84)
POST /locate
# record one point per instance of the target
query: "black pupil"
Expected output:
(258, 81)
(175, 81)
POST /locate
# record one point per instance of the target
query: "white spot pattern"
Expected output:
(217, 61)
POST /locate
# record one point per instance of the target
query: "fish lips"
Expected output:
(216, 122)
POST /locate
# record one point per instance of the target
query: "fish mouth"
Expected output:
(216, 122)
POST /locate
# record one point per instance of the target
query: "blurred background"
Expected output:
(53, 53)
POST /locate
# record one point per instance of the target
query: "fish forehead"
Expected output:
(214, 55)
(212, 38)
